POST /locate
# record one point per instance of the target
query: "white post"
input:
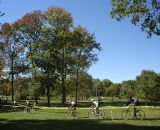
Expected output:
(111, 112)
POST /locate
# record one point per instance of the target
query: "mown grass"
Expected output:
(55, 118)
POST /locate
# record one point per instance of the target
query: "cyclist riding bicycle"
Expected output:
(133, 101)
(95, 105)
(72, 105)
(14, 105)
(27, 106)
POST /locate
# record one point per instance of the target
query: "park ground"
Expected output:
(55, 118)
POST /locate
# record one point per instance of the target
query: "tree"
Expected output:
(47, 61)
(5, 87)
(1, 65)
(96, 84)
(60, 22)
(128, 88)
(85, 52)
(145, 13)
(85, 84)
(30, 32)
(106, 83)
(114, 90)
(147, 86)
(10, 50)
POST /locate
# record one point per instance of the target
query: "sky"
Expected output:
(126, 50)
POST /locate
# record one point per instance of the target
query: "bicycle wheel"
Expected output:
(126, 114)
(75, 114)
(69, 114)
(101, 114)
(72, 114)
(140, 114)
(27, 110)
(91, 114)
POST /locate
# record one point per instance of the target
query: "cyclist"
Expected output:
(35, 107)
(14, 105)
(72, 105)
(72, 108)
(133, 101)
(95, 105)
(27, 106)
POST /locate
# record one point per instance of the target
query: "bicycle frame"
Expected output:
(136, 113)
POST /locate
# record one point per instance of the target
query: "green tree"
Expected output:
(5, 87)
(114, 90)
(145, 13)
(147, 86)
(106, 83)
(128, 88)
(96, 84)
(85, 82)
(60, 22)
(85, 52)
(22, 88)
(47, 61)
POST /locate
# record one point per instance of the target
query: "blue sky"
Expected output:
(125, 49)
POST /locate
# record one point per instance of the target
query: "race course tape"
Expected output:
(104, 107)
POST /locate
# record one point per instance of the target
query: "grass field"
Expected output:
(55, 118)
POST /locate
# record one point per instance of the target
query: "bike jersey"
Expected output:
(95, 103)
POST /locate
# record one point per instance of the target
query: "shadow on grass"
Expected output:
(8, 108)
(67, 125)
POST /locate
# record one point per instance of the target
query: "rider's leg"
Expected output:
(134, 111)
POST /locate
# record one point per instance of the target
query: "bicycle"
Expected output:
(72, 113)
(100, 114)
(13, 108)
(27, 109)
(35, 108)
(128, 113)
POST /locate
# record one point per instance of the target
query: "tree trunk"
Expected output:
(12, 76)
(76, 93)
(63, 80)
(112, 98)
(36, 98)
(48, 96)
(48, 90)
(146, 100)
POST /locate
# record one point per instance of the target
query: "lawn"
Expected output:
(54, 118)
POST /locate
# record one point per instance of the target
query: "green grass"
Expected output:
(54, 118)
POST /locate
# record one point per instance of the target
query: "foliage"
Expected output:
(128, 88)
(5, 87)
(114, 90)
(45, 48)
(148, 85)
(11, 50)
(145, 13)
(1, 66)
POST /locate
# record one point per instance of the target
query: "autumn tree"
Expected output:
(145, 13)
(10, 50)
(30, 32)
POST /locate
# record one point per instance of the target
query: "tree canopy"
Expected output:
(143, 13)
